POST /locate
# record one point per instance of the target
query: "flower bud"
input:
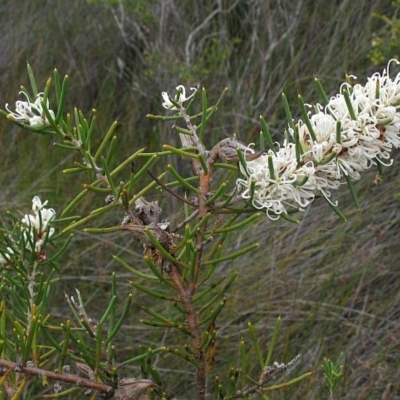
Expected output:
(227, 151)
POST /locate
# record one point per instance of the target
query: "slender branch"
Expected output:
(203, 210)
(186, 292)
(185, 221)
(193, 326)
(76, 380)
(169, 190)
(220, 205)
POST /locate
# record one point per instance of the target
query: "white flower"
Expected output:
(179, 98)
(369, 120)
(285, 185)
(31, 113)
(5, 255)
(37, 224)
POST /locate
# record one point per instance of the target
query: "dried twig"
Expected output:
(74, 379)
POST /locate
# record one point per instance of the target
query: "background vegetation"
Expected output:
(335, 285)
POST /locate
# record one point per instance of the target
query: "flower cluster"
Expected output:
(179, 98)
(5, 255)
(37, 225)
(355, 130)
(32, 113)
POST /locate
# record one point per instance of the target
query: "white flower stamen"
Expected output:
(179, 98)
(30, 113)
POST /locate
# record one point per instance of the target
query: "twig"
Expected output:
(76, 380)
(269, 373)
(186, 221)
(169, 190)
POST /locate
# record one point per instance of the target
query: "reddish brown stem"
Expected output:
(203, 210)
(76, 380)
(192, 321)
(186, 292)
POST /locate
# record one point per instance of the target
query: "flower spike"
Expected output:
(349, 133)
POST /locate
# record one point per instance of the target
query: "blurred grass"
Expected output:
(335, 285)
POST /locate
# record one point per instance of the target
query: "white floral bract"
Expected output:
(37, 224)
(31, 113)
(369, 130)
(179, 98)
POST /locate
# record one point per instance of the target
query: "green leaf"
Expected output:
(61, 97)
(273, 341)
(204, 108)
(352, 189)
(289, 117)
(122, 318)
(335, 209)
(239, 225)
(219, 294)
(163, 251)
(243, 360)
(321, 91)
(232, 255)
(339, 131)
(109, 310)
(110, 180)
(154, 293)
(306, 119)
(256, 345)
(105, 140)
(182, 180)
(180, 152)
(32, 80)
(215, 107)
(289, 383)
(111, 149)
(209, 319)
(266, 135)
(349, 104)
